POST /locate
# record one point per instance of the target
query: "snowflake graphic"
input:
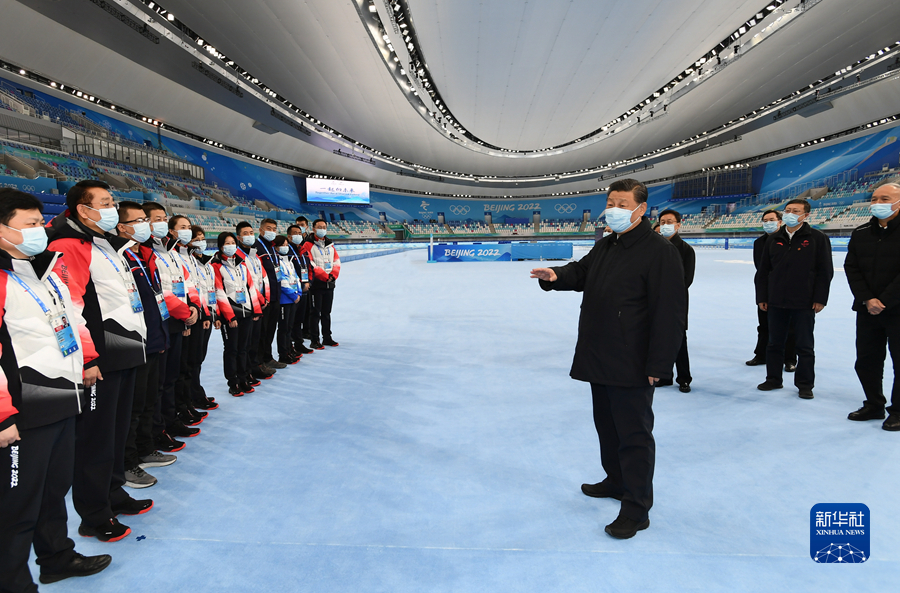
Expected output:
(840, 553)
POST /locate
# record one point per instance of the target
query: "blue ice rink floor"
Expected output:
(441, 448)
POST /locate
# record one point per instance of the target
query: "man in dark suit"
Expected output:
(771, 220)
(873, 270)
(792, 285)
(669, 225)
(629, 332)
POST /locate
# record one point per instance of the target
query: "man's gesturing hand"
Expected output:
(544, 274)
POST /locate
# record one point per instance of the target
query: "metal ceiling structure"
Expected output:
(525, 78)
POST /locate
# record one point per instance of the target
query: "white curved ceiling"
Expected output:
(520, 74)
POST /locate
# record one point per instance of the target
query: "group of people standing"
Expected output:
(634, 317)
(105, 320)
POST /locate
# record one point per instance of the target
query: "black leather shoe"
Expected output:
(625, 528)
(867, 412)
(132, 507)
(806, 394)
(789, 367)
(684, 387)
(766, 386)
(601, 490)
(663, 383)
(755, 362)
(892, 423)
(80, 566)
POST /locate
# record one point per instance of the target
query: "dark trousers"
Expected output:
(267, 331)
(300, 319)
(198, 394)
(683, 364)
(762, 339)
(33, 503)
(874, 334)
(146, 391)
(623, 417)
(285, 328)
(253, 348)
(804, 322)
(169, 368)
(191, 358)
(235, 360)
(100, 433)
(322, 300)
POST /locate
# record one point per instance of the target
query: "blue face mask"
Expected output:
(619, 219)
(667, 230)
(320, 233)
(185, 236)
(229, 250)
(159, 229)
(296, 239)
(34, 240)
(140, 232)
(200, 246)
(269, 236)
(791, 220)
(882, 211)
(283, 250)
(770, 226)
(248, 240)
(109, 218)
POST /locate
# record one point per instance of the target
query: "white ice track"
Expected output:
(442, 445)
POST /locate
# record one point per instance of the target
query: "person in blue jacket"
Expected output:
(291, 291)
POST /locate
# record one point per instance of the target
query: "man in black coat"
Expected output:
(873, 271)
(669, 225)
(631, 327)
(771, 220)
(792, 285)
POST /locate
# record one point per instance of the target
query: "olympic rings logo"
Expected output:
(566, 208)
(459, 210)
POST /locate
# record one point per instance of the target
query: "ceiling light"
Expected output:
(171, 17)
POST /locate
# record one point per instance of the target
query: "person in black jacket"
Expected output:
(265, 249)
(669, 225)
(873, 271)
(792, 284)
(631, 326)
(303, 265)
(771, 220)
(140, 446)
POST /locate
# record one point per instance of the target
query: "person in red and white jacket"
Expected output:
(238, 305)
(326, 269)
(104, 293)
(184, 313)
(247, 246)
(44, 346)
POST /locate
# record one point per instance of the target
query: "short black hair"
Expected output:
(675, 213)
(293, 226)
(280, 240)
(243, 225)
(771, 211)
(802, 202)
(196, 229)
(12, 200)
(151, 206)
(637, 189)
(655, 226)
(125, 206)
(318, 220)
(301, 219)
(268, 221)
(80, 193)
(174, 220)
(222, 236)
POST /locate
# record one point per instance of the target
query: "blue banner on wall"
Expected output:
(473, 252)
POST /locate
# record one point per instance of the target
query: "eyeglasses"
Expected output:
(135, 221)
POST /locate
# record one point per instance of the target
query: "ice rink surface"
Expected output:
(441, 448)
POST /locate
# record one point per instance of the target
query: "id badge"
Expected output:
(328, 267)
(240, 297)
(178, 289)
(163, 307)
(135, 298)
(65, 337)
(212, 298)
(304, 275)
(278, 275)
